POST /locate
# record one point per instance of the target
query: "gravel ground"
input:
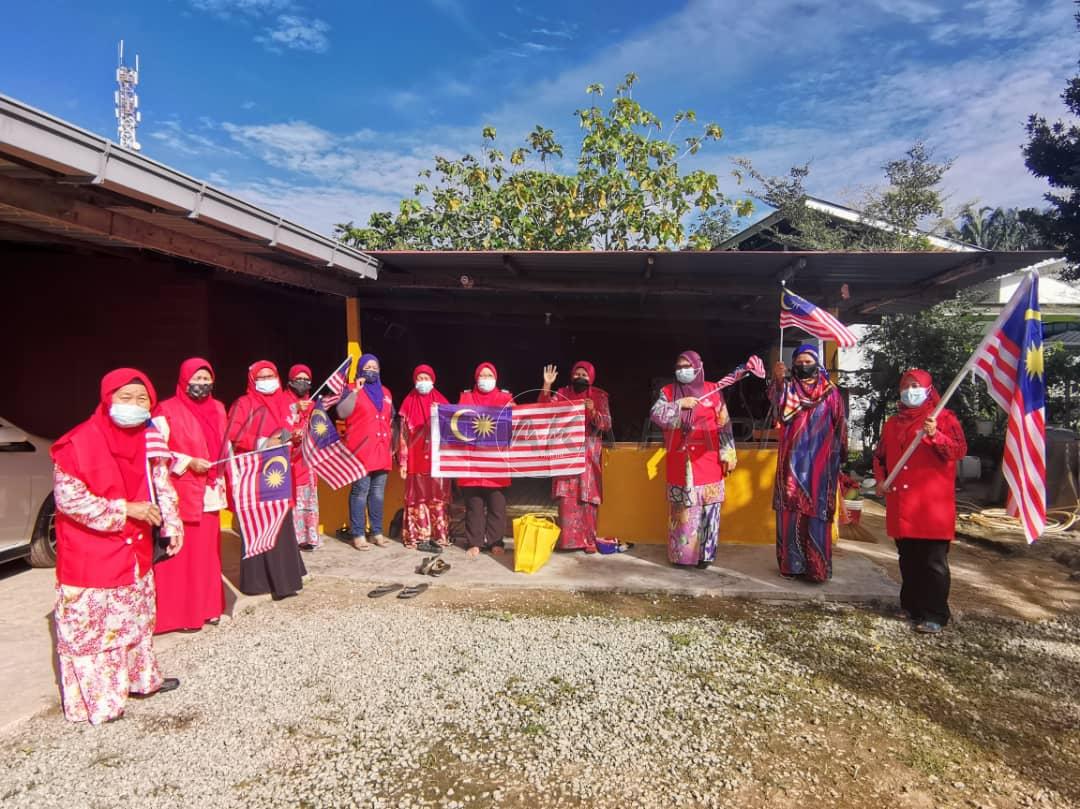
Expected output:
(331, 699)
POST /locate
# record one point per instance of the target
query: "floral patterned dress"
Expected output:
(104, 636)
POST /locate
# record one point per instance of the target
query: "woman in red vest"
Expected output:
(260, 419)
(485, 498)
(700, 454)
(580, 496)
(426, 520)
(105, 516)
(189, 591)
(920, 505)
(368, 411)
(306, 512)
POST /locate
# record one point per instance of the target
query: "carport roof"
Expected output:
(726, 285)
(62, 184)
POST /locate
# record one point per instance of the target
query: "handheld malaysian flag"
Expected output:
(524, 441)
(1010, 361)
(796, 311)
(753, 365)
(262, 489)
(326, 453)
(336, 383)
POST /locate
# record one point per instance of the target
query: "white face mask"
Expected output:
(128, 415)
(267, 385)
(485, 384)
(424, 386)
(913, 397)
(685, 375)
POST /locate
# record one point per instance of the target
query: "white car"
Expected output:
(27, 508)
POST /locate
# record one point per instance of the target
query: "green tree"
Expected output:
(892, 216)
(628, 191)
(1053, 152)
(1001, 228)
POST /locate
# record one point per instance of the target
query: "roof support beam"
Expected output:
(949, 276)
(57, 211)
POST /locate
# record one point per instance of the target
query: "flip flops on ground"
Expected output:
(412, 592)
(385, 589)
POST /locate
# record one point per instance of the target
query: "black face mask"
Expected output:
(300, 386)
(199, 390)
(579, 384)
(370, 376)
(805, 371)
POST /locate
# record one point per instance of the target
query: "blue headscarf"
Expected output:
(805, 348)
(372, 389)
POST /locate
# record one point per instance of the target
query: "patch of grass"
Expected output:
(534, 729)
(108, 760)
(927, 760)
(680, 640)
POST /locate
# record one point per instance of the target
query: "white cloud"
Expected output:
(297, 34)
(248, 105)
(252, 8)
(171, 135)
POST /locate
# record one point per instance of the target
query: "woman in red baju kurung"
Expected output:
(189, 590)
(262, 418)
(105, 518)
(306, 510)
(427, 499)
(920, 505)
(485, 498)
(580, 496)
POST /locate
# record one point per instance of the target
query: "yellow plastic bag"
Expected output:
(534, 541)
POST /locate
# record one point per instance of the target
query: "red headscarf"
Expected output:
(912, 418)
(257, 415)
(209, 412)
(492, 399)
(297, 369)
(695, 389)
(416, 407)
(567, 392)
(110, 460)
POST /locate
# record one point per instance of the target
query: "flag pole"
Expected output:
(320, 390)
(1004, 315)
(780, 352)
(244, 454)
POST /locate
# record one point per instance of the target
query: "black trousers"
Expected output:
(485, 516)
(924, 578)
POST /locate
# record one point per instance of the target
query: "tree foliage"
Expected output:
(891, 216)
(1053, 152)
(1002, 228)
(628, 191)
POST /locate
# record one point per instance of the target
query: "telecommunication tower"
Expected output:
(127, 102)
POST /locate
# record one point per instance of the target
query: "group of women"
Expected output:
(139, 487)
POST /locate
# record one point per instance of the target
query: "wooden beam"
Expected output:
(55, 210)
(911, 295)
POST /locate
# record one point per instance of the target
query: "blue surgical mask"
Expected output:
(485, 384)
(425, 386)
(685, 375)
(128, 415)
(370, 376)
(913, 397)
(267, 385)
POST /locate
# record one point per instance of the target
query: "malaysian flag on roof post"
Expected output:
(262, 490)
(1010, 361)
(326, 453)
(799, 312)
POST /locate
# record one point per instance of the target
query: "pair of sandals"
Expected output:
(378, 541)
(433, 566)
(406, 592)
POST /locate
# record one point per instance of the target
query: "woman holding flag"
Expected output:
(700, 454)
(106, 514)
(813, 440)
(427, 499)
(260, 419)
(306, 511)
(580, 496)
(188, 585)
(920, 504)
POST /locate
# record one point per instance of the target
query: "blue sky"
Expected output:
(325, 111)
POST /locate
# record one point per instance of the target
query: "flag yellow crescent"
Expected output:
(454, 424)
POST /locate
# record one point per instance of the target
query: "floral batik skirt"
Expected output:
(427, 513)
(105, 644)
(694, 522)
(306, 516)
